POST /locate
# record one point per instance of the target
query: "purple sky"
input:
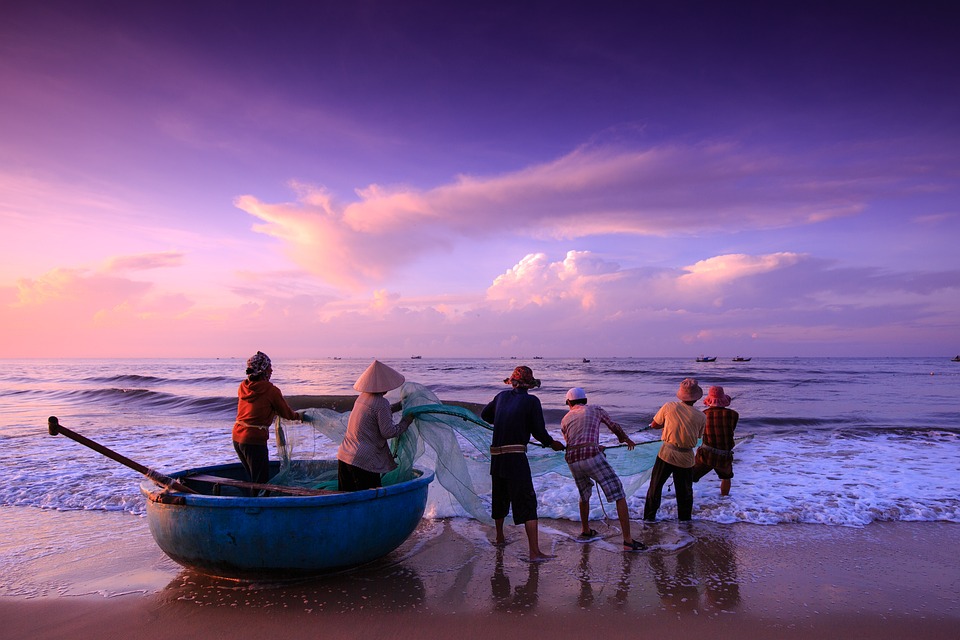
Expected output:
(384, 179)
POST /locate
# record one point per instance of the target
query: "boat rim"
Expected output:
(151, 491)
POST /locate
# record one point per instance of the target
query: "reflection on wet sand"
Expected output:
(451, 566)
(585, 596)
(721, 584)
(399, 588)
(676, 580)
(450, 581)
(523, 597)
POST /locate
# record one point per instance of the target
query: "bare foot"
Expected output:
(540, 557)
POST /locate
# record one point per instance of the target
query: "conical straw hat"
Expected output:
(378, 378)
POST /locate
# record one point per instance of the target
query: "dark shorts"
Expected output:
(710, 459)
(517, 493)
(351, 478)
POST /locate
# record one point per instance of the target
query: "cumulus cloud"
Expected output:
(536, 280)
(735, 292)
(670, 190)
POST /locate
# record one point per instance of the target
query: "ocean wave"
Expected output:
(136, 379)
(132, 399)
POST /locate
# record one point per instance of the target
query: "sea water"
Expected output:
(837, 441)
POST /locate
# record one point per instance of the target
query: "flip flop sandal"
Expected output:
(633, 545)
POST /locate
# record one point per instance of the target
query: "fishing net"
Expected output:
(450, 440)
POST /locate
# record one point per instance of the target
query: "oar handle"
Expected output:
(55, 428)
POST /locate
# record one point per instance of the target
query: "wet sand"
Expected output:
(99, 575)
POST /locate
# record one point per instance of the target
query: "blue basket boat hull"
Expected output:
(288, 537)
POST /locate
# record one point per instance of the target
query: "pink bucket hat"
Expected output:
(522, 377)
(689, 390)
(716, 398)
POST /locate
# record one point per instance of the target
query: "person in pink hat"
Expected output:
(364, 454)
(716, 450)
(682, 426)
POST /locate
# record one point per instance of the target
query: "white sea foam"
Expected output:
(821, 453)
(817, 477)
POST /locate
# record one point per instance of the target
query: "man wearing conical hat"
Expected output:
(516, 415)
(364, 455)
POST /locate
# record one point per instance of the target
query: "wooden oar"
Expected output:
(55, 428)
(295, 491)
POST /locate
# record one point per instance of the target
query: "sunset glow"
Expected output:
(318, 179)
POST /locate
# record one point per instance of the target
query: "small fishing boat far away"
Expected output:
(739, 359)
(707, 359)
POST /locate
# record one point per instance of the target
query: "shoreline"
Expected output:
(87, 574)
(344, 403)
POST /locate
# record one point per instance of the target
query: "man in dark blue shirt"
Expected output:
(516, 415)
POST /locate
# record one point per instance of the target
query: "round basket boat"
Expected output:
(280, 537)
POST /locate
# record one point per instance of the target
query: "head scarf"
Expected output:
(258, 364)
(522, 378)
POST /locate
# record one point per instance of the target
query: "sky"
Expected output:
(559, 179)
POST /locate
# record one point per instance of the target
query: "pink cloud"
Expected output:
(537, 306)
(144, 262)
(673, 190)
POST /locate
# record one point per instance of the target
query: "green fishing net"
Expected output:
(450, 440)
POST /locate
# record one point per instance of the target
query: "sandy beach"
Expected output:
(100, 575)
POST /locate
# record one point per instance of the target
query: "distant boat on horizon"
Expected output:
(416, 357)
(739, 359)
(957, 359)
(707, 359)
(586, 360)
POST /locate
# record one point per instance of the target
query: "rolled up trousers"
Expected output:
(682, 484)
